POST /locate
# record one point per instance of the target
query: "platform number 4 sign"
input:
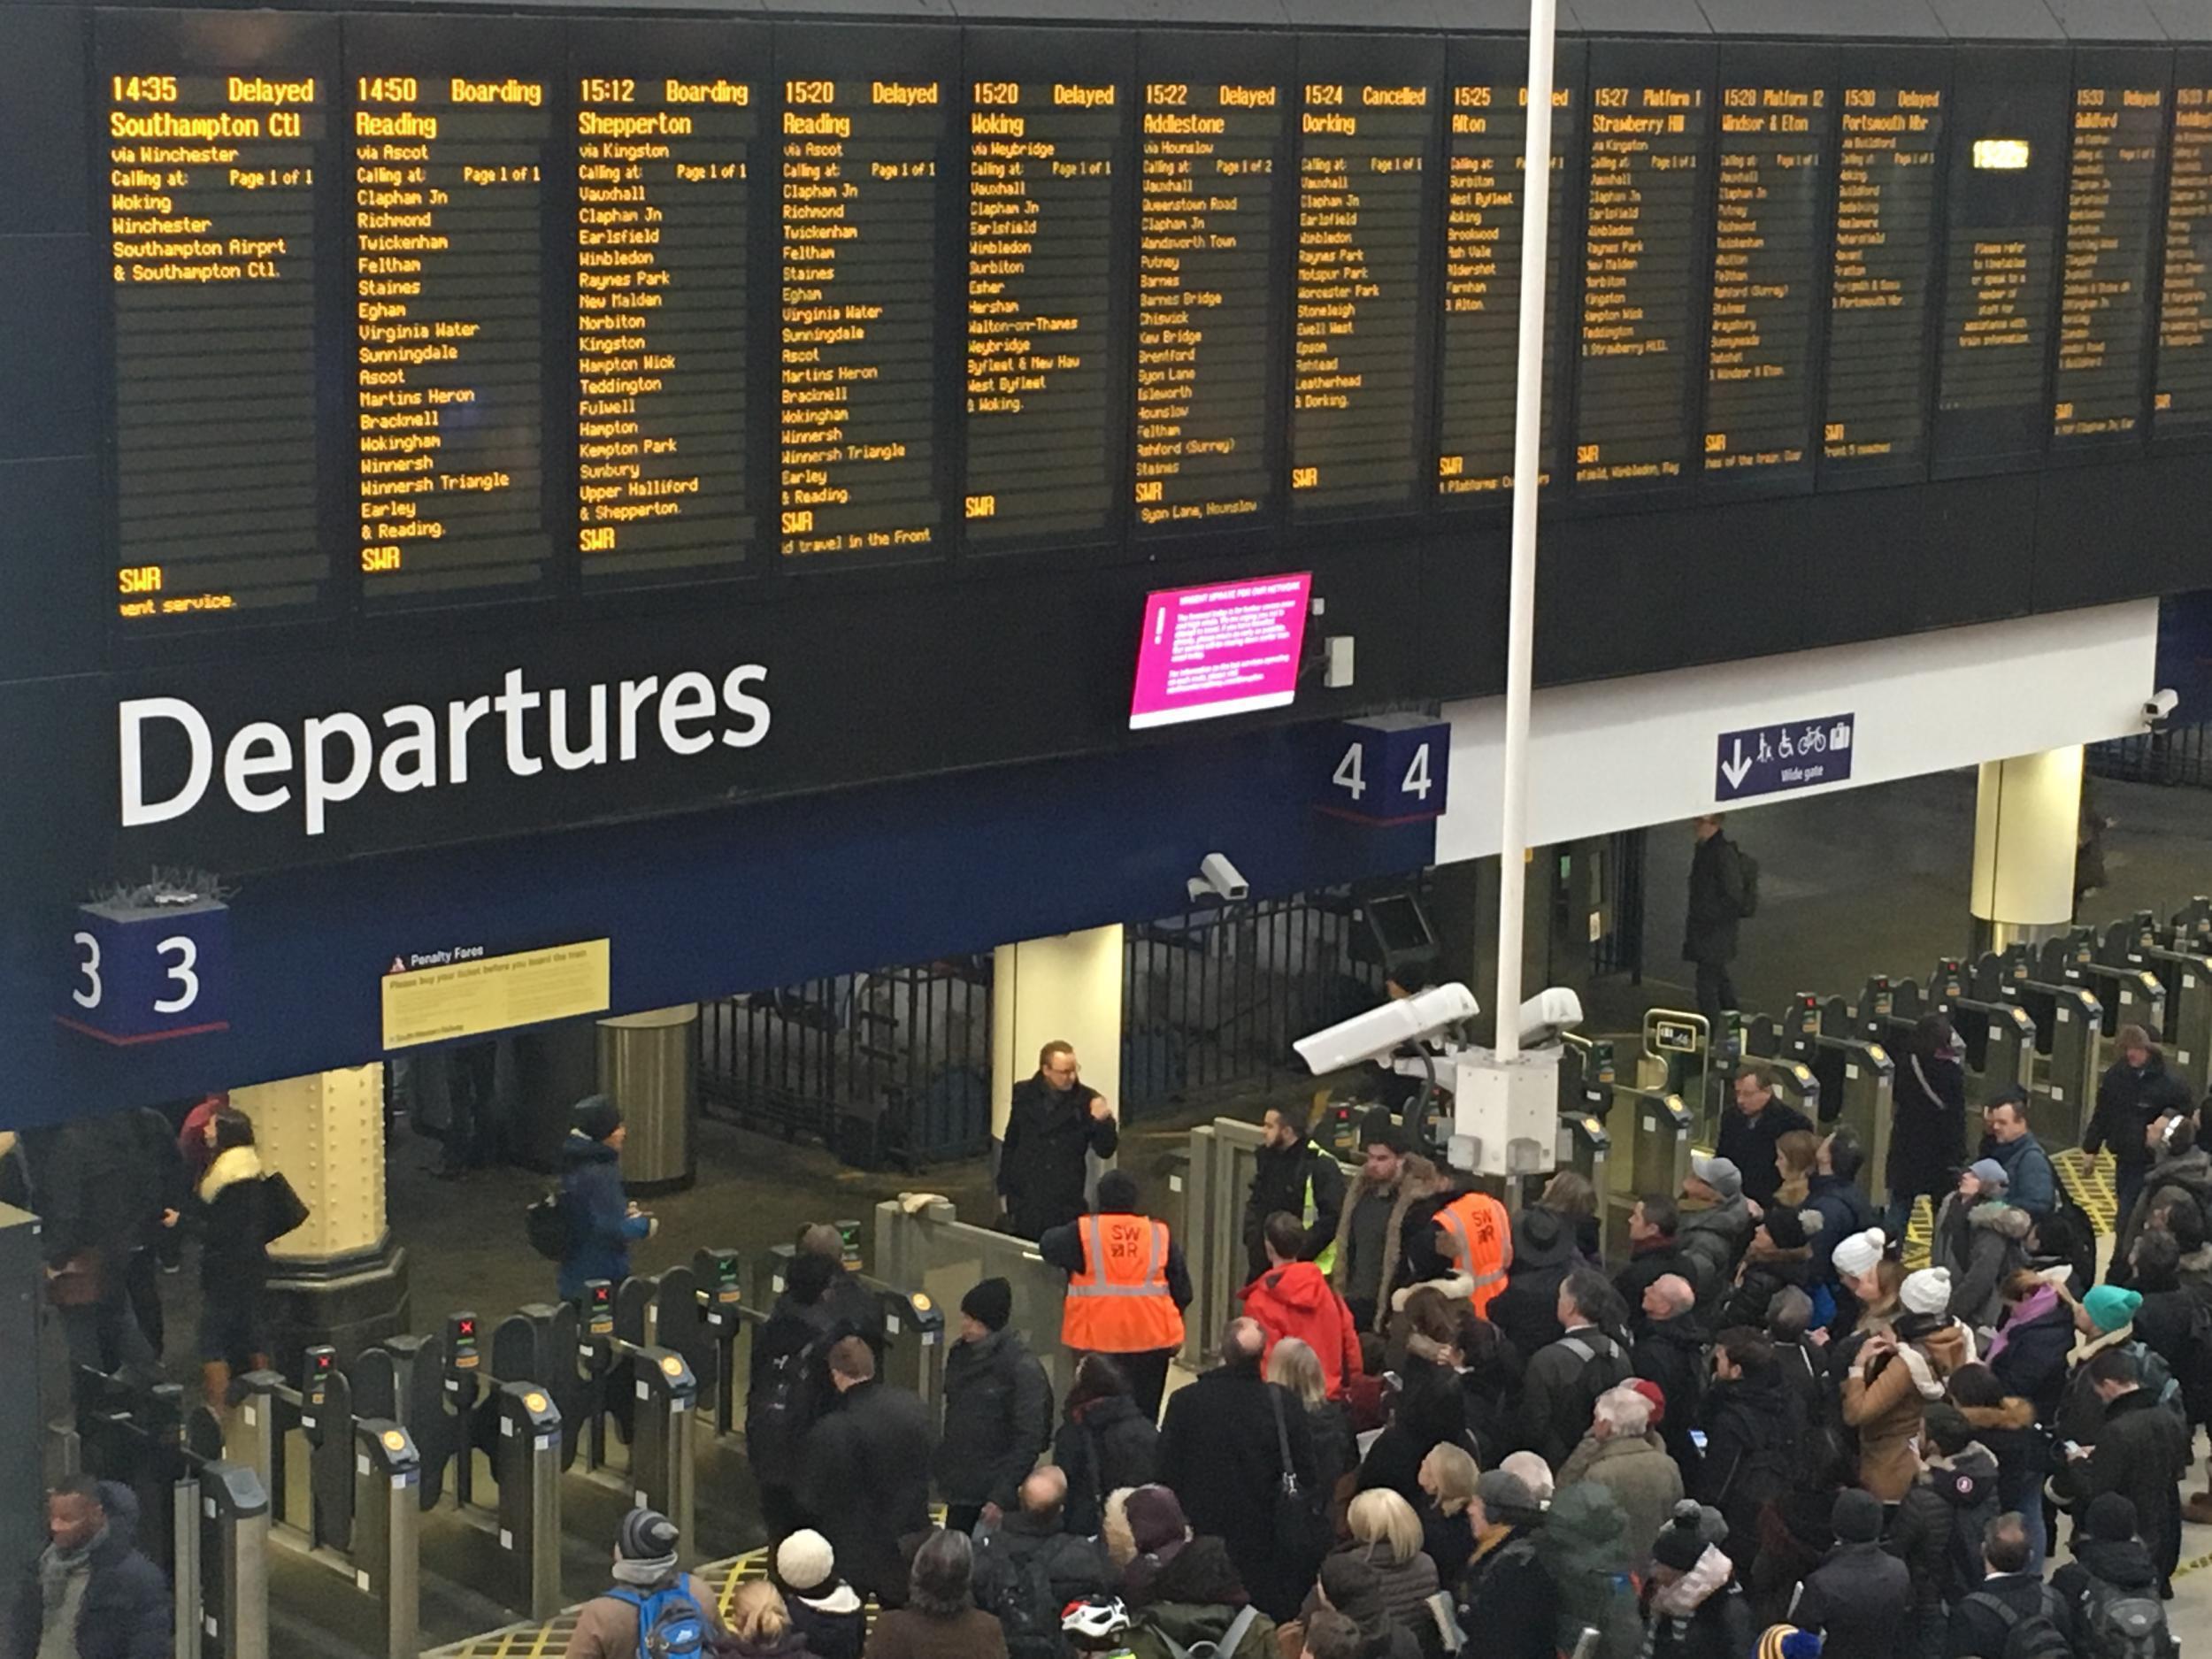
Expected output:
(143, 973)
(1392, 769)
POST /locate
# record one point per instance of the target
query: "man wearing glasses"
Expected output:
(1054, 1120)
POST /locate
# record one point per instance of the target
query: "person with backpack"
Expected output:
(1185, 1594)
(2135, 1094)
(652, 1609)
(787, 1388)
(1723, 892)
(1940, 1523)
(2010, 1614)
(2029, 1180)
(1860, 1599)
(998, 1411)
(1104, 1444)
(1584, 1550)
(1563, 1382)
(2180, 1173)
(939, 1618)
(2110, 1589)
(1752, 1443)
(2005, 1425)
(1927, 1136)
(2141, 1451)
(600, 1220)
(1751, 1128)
(1028, 1568)
(825, 1609)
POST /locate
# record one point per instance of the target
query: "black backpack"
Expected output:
(2036, 1635)
(1962, 1566)
(782, 1407)
(545, 1224)
(2117, 1624)
(1604, 1364)
(1748, 875)
(1027, 1611)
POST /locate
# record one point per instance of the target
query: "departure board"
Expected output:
(663, 176)
(2104, 289)
(2182, 403)
(1208, 151)
(858, 415)
(1486, 155)
(1642, 286)
(1044, 152)
(211, 186)
(1355, 301)
(449, 285)
(1768, 235)
(1875, 417)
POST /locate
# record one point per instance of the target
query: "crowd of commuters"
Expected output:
(1436, 1430)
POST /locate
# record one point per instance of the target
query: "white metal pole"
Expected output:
(1528, 432)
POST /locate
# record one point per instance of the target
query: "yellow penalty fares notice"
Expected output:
(469, 999)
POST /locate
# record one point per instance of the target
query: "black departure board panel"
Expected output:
(451, 285)
(667, 149)
(211, 177)
(1770, 234)
(1643, 288)
(1365, 141)
(2111, 225)
(866, 123)
(1211, 148)
(2008, 158)
(1874, 424)
(2182, 400)
(1486, 155)
(1047, 130)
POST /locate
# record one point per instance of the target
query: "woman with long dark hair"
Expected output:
(1105, 1444)
(239, 1208)
(1927, 1137)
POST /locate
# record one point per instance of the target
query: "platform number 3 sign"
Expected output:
(143, 973)
(1392, 769)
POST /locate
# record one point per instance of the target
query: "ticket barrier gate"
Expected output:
(1821, 1060)
(206, 1519)
(1999, 1036)
(2069, 1035)
(1678, 1056)
(2131, 992)
(2184, 966)
(646, 1392)
(1783, 1051)
(1586, 1146)
(437, 1388)
(362, 1519)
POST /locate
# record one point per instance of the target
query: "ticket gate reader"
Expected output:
(1783, 1051)
(1586, 1146)
(2069, 1035)
(659, 1473)
(2183, 967)
(2131, 992)
(1678, 1057)
(363, 1517)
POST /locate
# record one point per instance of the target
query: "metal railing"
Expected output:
(2174, 755)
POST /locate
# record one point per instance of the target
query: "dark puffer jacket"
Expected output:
(1953, 1494)
(125, 1614)
(1104, 1446)
(998, 1415)
(1861, 1601)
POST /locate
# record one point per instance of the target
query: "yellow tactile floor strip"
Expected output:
(547, 1640)
(2089, 1182)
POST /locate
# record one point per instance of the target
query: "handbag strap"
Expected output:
(1282, 1436)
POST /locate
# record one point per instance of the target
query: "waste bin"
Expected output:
(648, 1064)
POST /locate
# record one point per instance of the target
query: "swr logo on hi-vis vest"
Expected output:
(1474, 1227)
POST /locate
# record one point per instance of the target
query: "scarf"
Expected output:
(645, 1574)
(2034, 1308)
(63, 1580)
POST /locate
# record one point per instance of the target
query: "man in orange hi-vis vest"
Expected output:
(1127, 1287)
(1476, 1236)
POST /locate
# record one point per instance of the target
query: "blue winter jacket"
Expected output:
(2031, 1182)
(600, 1226)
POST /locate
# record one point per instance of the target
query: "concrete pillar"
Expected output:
(1068, 988)
(2027, 822)
(339, 1278)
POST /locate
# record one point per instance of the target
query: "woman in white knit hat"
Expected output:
(825, 1609)
(1895, 1375)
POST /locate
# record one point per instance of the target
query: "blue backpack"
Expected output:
(670, 1624)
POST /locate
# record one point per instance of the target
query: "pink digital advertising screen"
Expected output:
(1226, 648)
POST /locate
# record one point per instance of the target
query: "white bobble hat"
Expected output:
(1928, 1291)
(1857, 1254)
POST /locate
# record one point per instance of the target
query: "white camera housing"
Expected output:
(1548, 1015)
(2159, 706)
(1218, 878)
(1379, 1031)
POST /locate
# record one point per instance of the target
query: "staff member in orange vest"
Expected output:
(1475, 1235)
(1127, 1287)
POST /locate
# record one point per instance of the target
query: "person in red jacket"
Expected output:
(1295, 1298)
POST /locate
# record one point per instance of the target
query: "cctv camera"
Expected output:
(1379, 1031)
(1548, 1015)
(2159, 706)
(1217, 878)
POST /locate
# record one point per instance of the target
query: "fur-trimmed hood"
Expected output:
(2011, 1412)
(2008, 1221)
(1417, 1179)
(239, 1163)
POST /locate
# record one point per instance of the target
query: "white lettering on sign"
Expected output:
(339, 754)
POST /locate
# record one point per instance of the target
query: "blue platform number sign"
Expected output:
(1775, 759)
(141, 973)
(1389, 769)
